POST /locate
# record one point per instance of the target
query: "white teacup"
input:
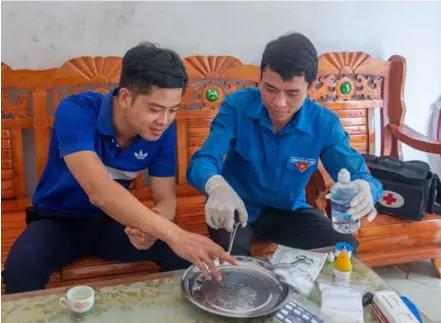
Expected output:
(78, 299)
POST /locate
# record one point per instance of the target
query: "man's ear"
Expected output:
(125, 97)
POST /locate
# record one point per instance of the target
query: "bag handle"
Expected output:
(437, 204)
(390, 160)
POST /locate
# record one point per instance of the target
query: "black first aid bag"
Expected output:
(411, 189)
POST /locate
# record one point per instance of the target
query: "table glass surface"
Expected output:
(153, 298)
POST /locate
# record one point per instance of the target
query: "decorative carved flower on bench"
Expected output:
(343, 77)
(213, 77)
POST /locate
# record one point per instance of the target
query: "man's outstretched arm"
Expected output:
(113, 198)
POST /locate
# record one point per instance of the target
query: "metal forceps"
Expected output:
(303, 259)
(233, 232)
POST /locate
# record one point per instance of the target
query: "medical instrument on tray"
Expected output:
(303, 259)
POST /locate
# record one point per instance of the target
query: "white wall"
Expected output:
(40, 35)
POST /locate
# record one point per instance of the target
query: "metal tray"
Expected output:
(248, 290)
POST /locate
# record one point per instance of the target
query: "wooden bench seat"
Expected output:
(353, 84)
(389, 240)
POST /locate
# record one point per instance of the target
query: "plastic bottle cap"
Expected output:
(330, 257)
(340, 245)
(343, 262)
(344, 176)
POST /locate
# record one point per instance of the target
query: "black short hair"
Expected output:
(291, 55)
(146, 66)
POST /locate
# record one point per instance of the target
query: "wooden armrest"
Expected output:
(414, 139)
(326, 178)
(320, 179)
(318, 186)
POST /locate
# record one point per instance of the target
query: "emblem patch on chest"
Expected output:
(141, 155)
(302, 163)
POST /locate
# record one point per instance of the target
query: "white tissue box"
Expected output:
(341, 304)
(390, 308)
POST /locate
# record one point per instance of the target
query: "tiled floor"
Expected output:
(421, 286)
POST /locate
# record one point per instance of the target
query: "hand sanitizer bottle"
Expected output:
(342, 194)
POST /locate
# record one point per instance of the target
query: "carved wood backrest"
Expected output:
(17, 114)
(48, 87)
(211, 78)
(352, 84)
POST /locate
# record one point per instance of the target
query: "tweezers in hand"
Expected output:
(233, 232)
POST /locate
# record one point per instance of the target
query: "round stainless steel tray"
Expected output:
(248, 290)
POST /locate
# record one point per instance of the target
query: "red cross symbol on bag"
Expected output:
(391, 199)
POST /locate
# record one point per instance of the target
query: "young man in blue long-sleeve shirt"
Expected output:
(273, 137)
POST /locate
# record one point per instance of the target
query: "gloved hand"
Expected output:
(363, 203)
(221, 204)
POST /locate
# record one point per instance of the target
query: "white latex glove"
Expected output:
(363, 202)
(221, 204)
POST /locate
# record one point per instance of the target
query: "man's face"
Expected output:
(150, 115)
(282, 98)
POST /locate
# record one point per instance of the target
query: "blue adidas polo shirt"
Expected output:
(267, 169)
(84, 122)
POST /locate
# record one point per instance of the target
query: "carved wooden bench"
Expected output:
(353, 84)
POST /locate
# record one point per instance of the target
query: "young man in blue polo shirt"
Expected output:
(273, 137)
(99, 144)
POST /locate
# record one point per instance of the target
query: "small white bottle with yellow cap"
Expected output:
(342, 267)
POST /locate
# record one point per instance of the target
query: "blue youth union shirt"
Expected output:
(267, 169)
(84, 122)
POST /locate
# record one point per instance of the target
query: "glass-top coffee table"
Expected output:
(153, 298)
